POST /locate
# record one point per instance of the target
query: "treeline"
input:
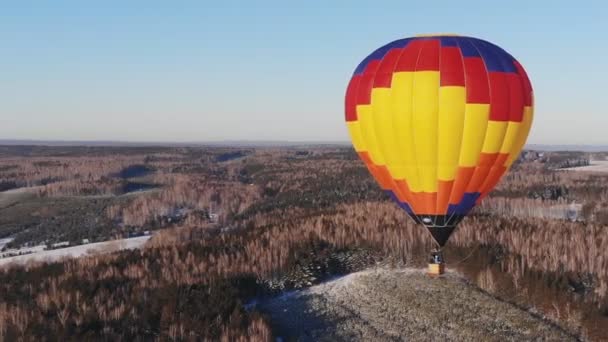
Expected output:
(50, 220)
(185, 198)
(534, 181)
(192, 283)
(544, 245)
(27, 172)
(82, 187)
(193, 288)
(97, 170)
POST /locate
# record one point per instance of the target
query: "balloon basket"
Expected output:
(436, 269)
(436, 264)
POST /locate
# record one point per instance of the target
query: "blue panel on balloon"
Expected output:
(465, 205)
(403, 205)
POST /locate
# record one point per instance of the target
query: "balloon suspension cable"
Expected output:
(468, 256)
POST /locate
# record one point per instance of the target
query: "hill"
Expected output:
(388, 305)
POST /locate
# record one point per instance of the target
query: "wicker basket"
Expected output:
(436, 269)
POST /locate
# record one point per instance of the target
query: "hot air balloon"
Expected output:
(438, 120)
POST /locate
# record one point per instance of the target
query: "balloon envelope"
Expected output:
(438, 120)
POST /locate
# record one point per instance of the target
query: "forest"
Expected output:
(233, 224)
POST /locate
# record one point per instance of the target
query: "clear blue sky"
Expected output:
(215, 70)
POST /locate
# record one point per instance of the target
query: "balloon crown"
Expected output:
(437, 35)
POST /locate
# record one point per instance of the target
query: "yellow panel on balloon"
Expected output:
(368, 134)
(450, 126)
(522, 135)
(425, 109)
(383, 124)
(510, 136)
(475, 123)
(495, 135)
(354, 130)
(403, 164)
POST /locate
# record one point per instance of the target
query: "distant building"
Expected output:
(530, 155)
(60, 244)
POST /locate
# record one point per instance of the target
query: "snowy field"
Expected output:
(23, 250)
(596, 166)
(77, 251)
(13, 196)
(4, 242)
(401, 305)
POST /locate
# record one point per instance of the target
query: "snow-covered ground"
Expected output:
(77, 251)
(31, 189)
(23, 250)
(4, 242)
(13, 196)
(595, 166)
(383, 304)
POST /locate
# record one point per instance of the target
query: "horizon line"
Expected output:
(247, 143)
